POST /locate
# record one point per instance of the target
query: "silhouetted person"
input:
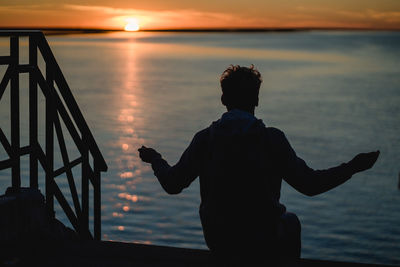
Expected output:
(241, 164)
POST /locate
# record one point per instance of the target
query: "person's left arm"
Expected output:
(175, 178)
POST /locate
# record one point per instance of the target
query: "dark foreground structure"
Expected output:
(106, 253)
(28, 237)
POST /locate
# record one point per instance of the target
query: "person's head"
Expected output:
(240, 87)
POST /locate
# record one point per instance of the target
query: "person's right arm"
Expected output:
(313, 182)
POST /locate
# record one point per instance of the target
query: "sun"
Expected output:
(132, 25)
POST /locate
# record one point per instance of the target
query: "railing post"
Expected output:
(33, 114)
(85, 190)
(15, 126)
(50, 143)
(97, 201)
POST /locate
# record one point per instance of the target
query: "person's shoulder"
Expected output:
(201, 136)
(202, 133)
(276, 137)
(200, 140)
(274, 132)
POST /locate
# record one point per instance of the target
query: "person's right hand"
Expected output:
(148, 154)
(364, 161)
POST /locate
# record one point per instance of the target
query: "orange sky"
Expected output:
(163, 14)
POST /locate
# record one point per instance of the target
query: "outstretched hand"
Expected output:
(364, 161)
(148, 154)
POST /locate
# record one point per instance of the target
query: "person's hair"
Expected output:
(240, 87)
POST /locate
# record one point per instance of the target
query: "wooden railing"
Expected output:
(59, 105)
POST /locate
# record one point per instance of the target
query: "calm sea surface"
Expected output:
(334, 94)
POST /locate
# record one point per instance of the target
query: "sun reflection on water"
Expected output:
(125, 208)
(116, 214)
(128, 118)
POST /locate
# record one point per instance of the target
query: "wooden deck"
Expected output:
(106, 253)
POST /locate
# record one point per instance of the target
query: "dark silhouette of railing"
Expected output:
(54, 109)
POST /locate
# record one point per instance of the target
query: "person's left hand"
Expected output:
(148, 154)
(364, 161)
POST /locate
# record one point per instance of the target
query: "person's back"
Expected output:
(238, 192)
(241, 164)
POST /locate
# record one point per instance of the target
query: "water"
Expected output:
(334, 94)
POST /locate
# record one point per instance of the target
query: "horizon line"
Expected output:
(66, 30)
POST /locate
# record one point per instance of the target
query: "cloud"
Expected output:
(103, 9)
(363, 18)
(160, 19)
(27, 9)
(371, 18)
(178, 18)
(387, 16)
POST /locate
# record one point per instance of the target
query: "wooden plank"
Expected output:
(85, 190)
(5, 164)
(69, 166)
(25, 68)
(25, 150)
(91, 175)
(50, 110)
(65, 206)
(42, 158)
(62, 111)
(33, 115)
(15, 124)
(65, 158)
(5, 143)
(71, 103)
(97, 203)
(82, 146)
(4, 81)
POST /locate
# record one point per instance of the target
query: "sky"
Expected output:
(174, 14)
